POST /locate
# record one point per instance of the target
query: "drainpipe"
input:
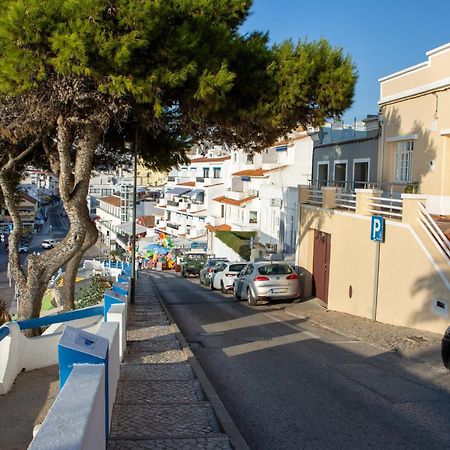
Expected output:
(380, 147)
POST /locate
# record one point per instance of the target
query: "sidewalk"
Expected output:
(408, 342)
(160, 402)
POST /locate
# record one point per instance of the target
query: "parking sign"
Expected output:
(377, 229)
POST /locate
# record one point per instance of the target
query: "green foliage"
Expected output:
(90, 295)
(413, 188)
(239, 241)
(4, 314)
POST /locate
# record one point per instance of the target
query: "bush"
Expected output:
(238, 241)
(4, 314)
(92, 294)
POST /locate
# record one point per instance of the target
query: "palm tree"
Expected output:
(4, 314)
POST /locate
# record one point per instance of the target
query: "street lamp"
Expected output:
(133, 146)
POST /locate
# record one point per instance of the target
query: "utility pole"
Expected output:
(133, 225)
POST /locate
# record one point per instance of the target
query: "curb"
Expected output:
(230, 428)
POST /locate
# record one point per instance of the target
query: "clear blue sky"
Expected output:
(382, 36)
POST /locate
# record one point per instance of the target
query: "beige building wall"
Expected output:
(415, 104)
(410, 277)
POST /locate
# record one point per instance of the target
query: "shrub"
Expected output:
(91, 295)
(4, 314)
(239, 241)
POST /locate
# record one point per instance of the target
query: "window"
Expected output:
(360, 172)
(216, 171)
(249, 158)
(340, 173)
(253, 217)
(403, 161)
(205, 172)
(235, 156)
(322, 174)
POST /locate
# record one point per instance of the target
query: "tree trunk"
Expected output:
(73, 185)
(70, 274)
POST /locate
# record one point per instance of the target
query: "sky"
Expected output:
(382, 36)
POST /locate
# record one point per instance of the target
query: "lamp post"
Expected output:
(133, 146)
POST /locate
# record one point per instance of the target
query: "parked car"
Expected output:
(225, 274)
(192, 263)
(49, 243)
(208, 269)
(266, 280)
(23, 248)
(445, 348)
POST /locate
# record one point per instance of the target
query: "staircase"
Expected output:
(160, 404)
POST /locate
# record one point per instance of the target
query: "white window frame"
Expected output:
(323, 163)
(410, 168)
(340, 161)
(361, 160)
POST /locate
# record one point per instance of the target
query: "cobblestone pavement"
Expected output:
(160, 404)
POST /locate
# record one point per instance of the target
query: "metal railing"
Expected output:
(346, 201)
(391, 208)
(55, 318)
(433, 230)
(315, 196)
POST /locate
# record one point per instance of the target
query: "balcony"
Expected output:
(173, 203)
(195, 207)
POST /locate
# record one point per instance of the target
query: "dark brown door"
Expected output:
(321, 264)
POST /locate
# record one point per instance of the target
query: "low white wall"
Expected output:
(118, 313)
(76, 420)
(18, 352)
(110, 331)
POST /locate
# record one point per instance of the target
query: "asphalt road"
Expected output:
(290, 384)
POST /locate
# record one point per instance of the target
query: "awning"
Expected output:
(127, 226)
(178, 190)
(194, 193)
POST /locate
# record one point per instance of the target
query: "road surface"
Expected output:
(290, 384)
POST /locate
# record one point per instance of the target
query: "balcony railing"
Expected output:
(173, 203)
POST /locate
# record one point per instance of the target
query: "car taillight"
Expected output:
(230, 274)
(261, 279)
(292, 277)
(210, 270)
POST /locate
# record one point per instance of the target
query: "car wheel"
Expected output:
(235, 294)
(222, 288)
(183, 274)
(250, 298)
(201, 279)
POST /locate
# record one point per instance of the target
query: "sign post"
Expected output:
(376, 235)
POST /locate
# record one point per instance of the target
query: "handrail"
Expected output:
(434, 230)
(59, 318)
(4, 331)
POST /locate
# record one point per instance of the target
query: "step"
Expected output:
(212, 442)
(167, 371)
(154, 344)
(137, 333)
(167, 356)
(162, 392)
(150, 421)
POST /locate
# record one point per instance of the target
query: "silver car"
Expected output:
(266, 280)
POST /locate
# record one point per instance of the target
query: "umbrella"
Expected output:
(156, 248)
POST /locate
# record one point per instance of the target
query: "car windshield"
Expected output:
(194, 257)
(215, 262)
(275, 269)
(236, 267)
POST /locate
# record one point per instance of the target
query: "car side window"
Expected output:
(249, 269)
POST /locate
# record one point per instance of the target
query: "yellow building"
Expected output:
(415, 145)
(147, 177)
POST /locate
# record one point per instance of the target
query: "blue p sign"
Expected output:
(377, 229)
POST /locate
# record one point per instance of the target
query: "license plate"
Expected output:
(278, 291)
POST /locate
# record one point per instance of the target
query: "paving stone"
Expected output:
(167, 371)
(137, 333)
(168, 356)
(217, 442)
(155, 344)
(149, 421)
(139, 392)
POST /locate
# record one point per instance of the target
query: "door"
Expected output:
(360, 173)
(321, 264)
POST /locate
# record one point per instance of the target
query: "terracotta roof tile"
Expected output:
(187, 183)
(112, 200)
(223, 227)
(250, 173)
(232, 201)
(146, 221)
(205, 159)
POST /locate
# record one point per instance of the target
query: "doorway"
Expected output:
(361, 169)
(321, 264)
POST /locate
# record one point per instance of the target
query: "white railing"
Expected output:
(434, 231)
(388, 207)
(346, 201)
(315, 196)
